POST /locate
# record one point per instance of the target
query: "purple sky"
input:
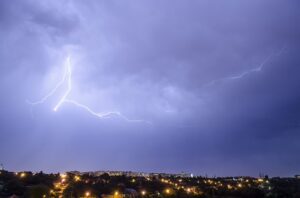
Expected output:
(218, 80)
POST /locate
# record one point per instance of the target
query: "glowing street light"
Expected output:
(63, 175)
(260, 180)
(267, 181)
(22, 175)
(168, 191)
(87, 194)
(229, 186)
(143, 192)
(77, 178)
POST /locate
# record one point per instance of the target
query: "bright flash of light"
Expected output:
(64, 99)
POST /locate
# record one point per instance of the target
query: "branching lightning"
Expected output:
(64, 99)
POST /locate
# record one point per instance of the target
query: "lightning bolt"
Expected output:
(69, 77)
(52, 92)
(64, 99)
(254, 70)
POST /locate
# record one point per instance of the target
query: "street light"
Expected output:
(116, 194)
(229, 186)
(77, 178)
(143, 192)
(22, 175)
(63, 175)
(168, 191)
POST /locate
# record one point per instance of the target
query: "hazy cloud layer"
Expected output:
(219, 81)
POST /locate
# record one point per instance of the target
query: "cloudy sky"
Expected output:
(208, 87)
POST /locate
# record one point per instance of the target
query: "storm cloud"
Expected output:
(219, 82)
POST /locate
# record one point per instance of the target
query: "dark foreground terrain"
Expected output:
(76, 184)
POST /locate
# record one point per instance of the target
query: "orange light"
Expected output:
(229, 186)
(63, 175)
(22, 175)
(77, 178)
(168, 191)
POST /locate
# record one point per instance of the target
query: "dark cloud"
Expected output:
(197, 70)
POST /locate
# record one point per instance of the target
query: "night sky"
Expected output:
(208, 87)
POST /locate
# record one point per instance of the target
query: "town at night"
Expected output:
(127, 184)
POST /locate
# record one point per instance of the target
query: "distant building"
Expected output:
(297, 176)
(132, 174)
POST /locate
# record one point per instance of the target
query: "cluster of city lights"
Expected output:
(171, 185)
